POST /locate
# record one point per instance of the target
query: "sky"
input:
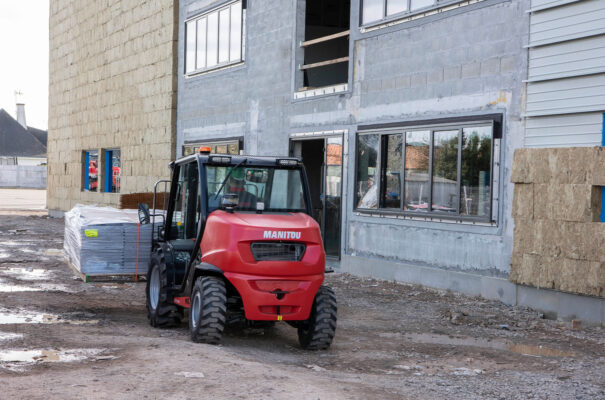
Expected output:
(24, 58)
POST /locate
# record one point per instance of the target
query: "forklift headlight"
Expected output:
(287, 162)
(220, 160)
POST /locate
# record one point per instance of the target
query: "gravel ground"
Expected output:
(62, 338)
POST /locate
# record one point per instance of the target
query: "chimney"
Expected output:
(20, 109)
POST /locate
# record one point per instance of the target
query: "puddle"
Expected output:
(6, 336)
(11, 243)
(28, 274)
(496, 344)
(17, 360)
(113, 285)
(54, 252)
(22, 317)
(10, 287)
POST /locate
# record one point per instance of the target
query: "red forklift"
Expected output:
(237, 243)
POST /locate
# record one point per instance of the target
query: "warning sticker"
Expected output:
(91, 232)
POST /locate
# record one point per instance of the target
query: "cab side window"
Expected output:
(187, 202)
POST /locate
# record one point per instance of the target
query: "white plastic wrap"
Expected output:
(103, 241)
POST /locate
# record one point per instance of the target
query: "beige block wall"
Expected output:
(559, 242)
(112, 85)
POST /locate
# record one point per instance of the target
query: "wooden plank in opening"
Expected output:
(325, 38)
(324, 63)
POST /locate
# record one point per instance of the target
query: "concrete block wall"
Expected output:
(112, 85)
(23, 176)
(457, 63)
(558, 237)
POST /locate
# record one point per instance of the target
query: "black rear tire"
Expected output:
(318, 331)
(208, 311)
(160, 312)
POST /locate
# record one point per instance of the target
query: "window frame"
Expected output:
(403, 14)
(495, 121)
(218, 65)
(86, 170)
(107, 154)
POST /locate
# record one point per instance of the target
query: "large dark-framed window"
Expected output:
(215, 38)
(374, 12)
(444, 169)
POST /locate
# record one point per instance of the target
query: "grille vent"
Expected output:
(277, 251)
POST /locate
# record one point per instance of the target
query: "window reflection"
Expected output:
(372, 10)
(416, 4)
(396, 6)
(392, 178)
(445, 171)
(367, 171)
(475, 187)
(417, 149)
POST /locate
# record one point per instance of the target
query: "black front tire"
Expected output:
(160, 312)
(318, 331)
(208, 311)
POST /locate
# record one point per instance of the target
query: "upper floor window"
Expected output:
(215, 38)
(444, 170)
(378, 10)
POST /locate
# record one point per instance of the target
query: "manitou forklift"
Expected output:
(238, 243)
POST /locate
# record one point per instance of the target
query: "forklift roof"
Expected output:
(226, 159)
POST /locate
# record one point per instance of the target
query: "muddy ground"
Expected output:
(62, 338)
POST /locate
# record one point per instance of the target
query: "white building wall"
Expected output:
(566, 76)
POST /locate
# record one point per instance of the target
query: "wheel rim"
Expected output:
(195, 308)
(154, 288)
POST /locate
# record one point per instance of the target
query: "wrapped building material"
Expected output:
(106, 241)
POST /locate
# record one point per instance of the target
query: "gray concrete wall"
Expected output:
(468, 61)
(23, 176)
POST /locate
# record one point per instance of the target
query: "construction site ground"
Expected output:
(61, 338)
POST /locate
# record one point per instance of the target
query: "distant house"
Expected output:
(19, 143)
(22, 152)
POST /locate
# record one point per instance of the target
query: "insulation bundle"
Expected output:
(103, 241)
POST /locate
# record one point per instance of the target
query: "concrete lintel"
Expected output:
(565, 306)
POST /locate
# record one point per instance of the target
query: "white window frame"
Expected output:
(196, 67)
(404, 14)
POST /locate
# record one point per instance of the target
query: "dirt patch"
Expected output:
(393, 341)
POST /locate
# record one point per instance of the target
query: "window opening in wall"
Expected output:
(232, 147)
(215, 39)
(373, 11)
(113, 170)
(444, 170)
(90, 171)
(325, 45)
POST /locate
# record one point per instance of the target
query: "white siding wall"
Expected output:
(566, 78)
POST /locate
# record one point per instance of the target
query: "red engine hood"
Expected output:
(297, 222)
(227, 239)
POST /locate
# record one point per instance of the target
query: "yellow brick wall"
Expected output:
(559, 242)
(112, 85)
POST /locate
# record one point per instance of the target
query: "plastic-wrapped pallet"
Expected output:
(103, 241)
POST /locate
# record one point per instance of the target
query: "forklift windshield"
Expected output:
(256, 188)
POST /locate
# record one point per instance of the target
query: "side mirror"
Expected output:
(144, 214)
(229, 201)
